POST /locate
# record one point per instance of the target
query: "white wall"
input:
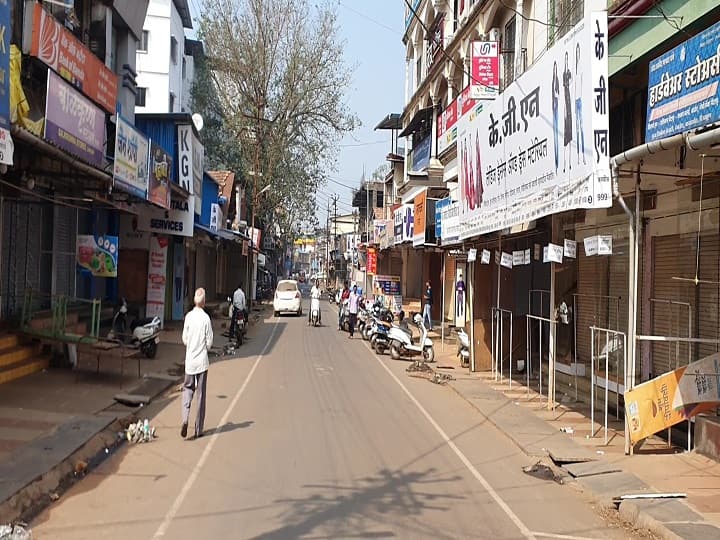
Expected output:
(176, 82)
(187, 83)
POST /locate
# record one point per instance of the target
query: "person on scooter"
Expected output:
(239, 303)
(343, 296)
(315, 294)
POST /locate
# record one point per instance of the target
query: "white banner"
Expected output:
(157, 265)
(542, 146)
(404, 222)
(178, 221)
(450, 224)
(7, 147)
(130, 166)
(185, 158)
(198, 163)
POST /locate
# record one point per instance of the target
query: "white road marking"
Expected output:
(175, 508)
(561, 536)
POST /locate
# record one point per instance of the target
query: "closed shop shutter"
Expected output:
(64, 237)
(708, 295)
(132, 278)
(673, 256)
(591, 308)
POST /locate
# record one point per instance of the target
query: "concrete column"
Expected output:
(433, 136)
(519, 67)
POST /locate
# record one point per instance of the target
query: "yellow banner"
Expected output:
(673, 397)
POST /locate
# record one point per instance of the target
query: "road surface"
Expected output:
(310, 435)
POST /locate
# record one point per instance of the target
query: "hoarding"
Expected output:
(98, 254)
(130, 166)
(542, 146)
(159, 177)
(419, 220)
(6, 143)
(485, 69)
(157, 266)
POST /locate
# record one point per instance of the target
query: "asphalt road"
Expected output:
(310, 435)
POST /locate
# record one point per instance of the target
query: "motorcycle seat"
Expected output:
(140, 322)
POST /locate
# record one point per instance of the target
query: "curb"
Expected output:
(632, 514)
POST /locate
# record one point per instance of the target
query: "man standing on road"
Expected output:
(344, 295)
(353, 305)
(427, 308)
(240, 304)
(198, 339)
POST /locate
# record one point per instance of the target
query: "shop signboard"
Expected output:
(398, 214)
(485, 69)
(419, 221)
(450, 217)
(98, 254)
(526, 155)
(441, 205)
(378, 227)
(254, 235)
(673, 397)
(185, 159)
(198, 163)
(448, 120)
(6, 142)
(421, 154)
(130, 166)
(684, 86)
(178, 220)
(157, 266)
(178, 283)
(371, 261)
(215, 217)
(390, 286)
(159, 181)
(59, 49)
(73, 123)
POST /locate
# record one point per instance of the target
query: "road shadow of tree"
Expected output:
(360, 510)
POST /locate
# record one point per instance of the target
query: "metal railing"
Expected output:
(59, 304)
(529, 341)
(617, 337)
(498, 341)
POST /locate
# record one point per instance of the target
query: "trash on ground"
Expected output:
(54, 496)
(567, 429)
(140, 432)
(600, 452)
(632, 496)
(15, 531)
(81, 467)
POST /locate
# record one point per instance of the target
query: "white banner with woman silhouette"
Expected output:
(542, 146)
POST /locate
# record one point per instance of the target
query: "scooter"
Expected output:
(240, 325)
(145, 332)
(403, 345)
(315, 311)
(345, 316)
(463, 347)
(380, 340)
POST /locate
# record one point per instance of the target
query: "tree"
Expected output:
(278, 76)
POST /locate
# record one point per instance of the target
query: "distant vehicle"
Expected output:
(287, 298)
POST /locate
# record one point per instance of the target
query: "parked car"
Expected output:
(287, 298)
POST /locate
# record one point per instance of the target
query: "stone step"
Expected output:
(8, 341)
(24, 368)
(18, 353)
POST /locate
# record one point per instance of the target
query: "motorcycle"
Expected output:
(331, 295)
(315, 311)
(145, 333)
(463, 347)
(402, 344)
(240, 325)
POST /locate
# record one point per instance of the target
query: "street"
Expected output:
(310, 435)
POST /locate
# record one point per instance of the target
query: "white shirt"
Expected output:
(198, 339)
(239, 301)
(315, 293)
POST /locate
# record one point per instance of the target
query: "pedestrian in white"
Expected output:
(239, 303)
(198, 339)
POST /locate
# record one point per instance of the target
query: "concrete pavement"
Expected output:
(310, 435)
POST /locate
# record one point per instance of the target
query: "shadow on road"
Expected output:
(228, 427)
(366, 508)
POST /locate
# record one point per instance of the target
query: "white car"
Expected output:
(287, 298)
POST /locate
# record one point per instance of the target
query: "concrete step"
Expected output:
(24, 368)
(18, 353)
(8, 341)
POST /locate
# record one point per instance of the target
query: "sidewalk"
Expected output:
(602, 470)
(56, 422)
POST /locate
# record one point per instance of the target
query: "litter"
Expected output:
(140, 432)
(650, 496)
(600, 452)
(15, 531)
(568, 430)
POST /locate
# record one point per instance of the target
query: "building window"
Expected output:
(184, 68)
(142, 45)
(173, 49)
(171, 103)
(140, 96)
(563, 15)
(508, 53)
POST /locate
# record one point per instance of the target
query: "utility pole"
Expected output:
(255, 172)
(335, 199)
(327, 246)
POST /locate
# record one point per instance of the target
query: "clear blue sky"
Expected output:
(372, 30)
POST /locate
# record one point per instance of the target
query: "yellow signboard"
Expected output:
(673, 397)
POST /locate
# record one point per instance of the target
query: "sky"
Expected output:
(372, 31)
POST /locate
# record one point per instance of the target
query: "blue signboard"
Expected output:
(683, 87)
(421, 154)
(5, 64)
(439, 207)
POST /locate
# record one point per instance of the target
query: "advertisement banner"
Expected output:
(371, 261)
(157, 266)
(485, 70)
(673, 397)
(254, 235)
(421, 154)
(178, 284)
(378, 228)
(159, 180)
(98, 254)
(185, 158)
(59, 49)
(404, 223)
(6, 142)
(390, 286)
(460, 297)
(542, 146)
(683, 86)
(419, 219)
(176, 221)
(450, 216)
(214, 216)
(441, 205)
(198, 163)
(73, 123)
(130, 167)
(449, 119)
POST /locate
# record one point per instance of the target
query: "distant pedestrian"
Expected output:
(353, 305)
(427, 308)
(198, 339)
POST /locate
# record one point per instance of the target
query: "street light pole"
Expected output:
(255, 172)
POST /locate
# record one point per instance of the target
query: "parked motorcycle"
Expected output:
(331, 295)
(403, 344)
(144, 333)
(345, 316)
(463, 347)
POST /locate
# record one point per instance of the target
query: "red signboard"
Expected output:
(371, 264)
(63, 52)
(485, 69)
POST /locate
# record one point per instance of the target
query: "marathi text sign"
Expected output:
(130, 168)
(73, 123)
(485, 69)
(542, 146)
(159, 181)
(673, 397)
(157, 267)
(62, 51)
(683, 86)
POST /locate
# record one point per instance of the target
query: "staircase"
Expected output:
(19, 358)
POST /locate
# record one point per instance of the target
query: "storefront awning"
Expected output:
(201, 227)
(227, 234)
(420, 122)
(409, 197)
(391, 121)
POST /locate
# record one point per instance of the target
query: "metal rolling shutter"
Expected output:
(590, 311)
(708, 294)
(64, 237)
